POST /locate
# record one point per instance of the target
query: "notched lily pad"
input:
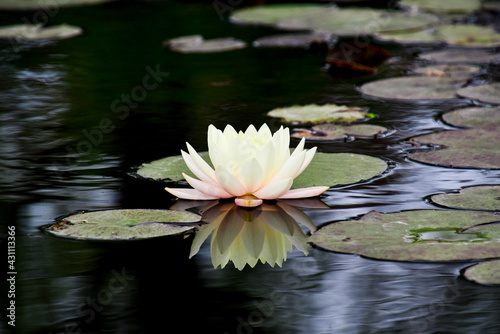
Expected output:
(487, 273)
(475, 198)
(489, 93)
(473, 117)
(38, 32)
(124, 224)
(333, 132)
(458, 56)
(468, 148)
(300, 40)
(197, 44)
(421, 235)
(314, 113)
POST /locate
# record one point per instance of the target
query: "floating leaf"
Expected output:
(301, 40)
(196, 44)
(124, 224)
(410, 37)
(489, 93)
(272, 14)
(491, 5)
(313, 113)
(473, 117)
(458, 56)
(469, 148)
(37, 32)
(449, 71)
(448, 6)
(45, 5)
(332, 132)
(476, 198)
(414, 88)
(487, 273)
(421, 235)
(324, 169)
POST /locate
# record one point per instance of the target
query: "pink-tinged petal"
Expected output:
(304, 192)
(193, 167)
(307, 160)
(229, 182)
(201, 164)
(251, 175)
(248, 201)
(207, 188)
(193, 194)
(274, 190)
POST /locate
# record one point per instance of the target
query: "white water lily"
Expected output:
(251, 166)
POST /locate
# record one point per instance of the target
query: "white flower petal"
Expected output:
(290, 168)
(265, 132)
(251, 175)
(207, 188)
(229, 182)
(198, 166)
(192, 194)
(274, 190)
(304, 192)
(268, 160)
(307, 160)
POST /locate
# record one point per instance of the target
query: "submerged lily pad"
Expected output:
(37, 32)
(333, 132)
(325, 169)
(476, 198)
(473, 117)
(48, 6)
(124, 224)
(448, 6)
(468, 148)
(196, 44)
(414, 88)
(313, 113)
(449, 71)
(421, 235)
(489, 93)
(300, 40)
(487, 273)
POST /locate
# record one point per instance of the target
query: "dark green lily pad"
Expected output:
(473, 117)
(475, 198)
(300, 40)
(37, 32)
(324, 169)
(487, 273)
(124, 224)
(314, 113)
(468, 148)
(489, 93)
(448, 71)
(458, 56)
(448, 6)
(333, 132)
(421, 235)
(414, 88)
(197, 44)
(48, 6)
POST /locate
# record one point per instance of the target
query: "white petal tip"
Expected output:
(248, 201)
(304, 192)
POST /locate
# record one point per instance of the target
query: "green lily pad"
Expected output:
(314, 113)
(196, 44)
(468, 148)
(124, 224)
(491, 5)
(489, 93)
(468, 35)
(333, 132)
(45, 5)
(448, 6)
(272, 14)
(476, 198)
(421, 235)
(448, 71)
(300, 40)
(487, 273)
(458, 56)
(414, 88)
(473, 117)
(324, 169)
(425, 36)
(37, 32)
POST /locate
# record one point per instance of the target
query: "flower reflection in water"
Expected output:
(245, 236)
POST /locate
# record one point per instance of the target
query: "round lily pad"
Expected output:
(420, 235)
(460, 56)
(45, 5)
(448, 6)
(314, 113)
(333, 132)
(487, 273)
(272, 14)
(196, 44)
(37, 32)
(476, 198)
(414, 88)
(424, 36)
(124, 224)
(301, 40)
(489, 93)
(325, 169)
(449, 71)
(473, 117)
(468, 148)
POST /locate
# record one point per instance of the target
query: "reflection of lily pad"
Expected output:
(448, 6)
(301, 40)
(196, 44)
(421, 235)
(124, 224)
(37, 32)
(473, 117)
(324, 169)
(489, 93)
(314, 113)
(487, 273)
(332, 132)
(449, 71)
(458, 56)
(476, 198)
(468, 148)
(45, 5)
(413, 88)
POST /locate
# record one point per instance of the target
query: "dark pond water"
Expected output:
(54, 161)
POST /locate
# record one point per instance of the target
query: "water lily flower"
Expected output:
(252, 166)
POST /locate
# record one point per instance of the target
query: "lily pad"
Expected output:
(124, 224)
(487, 273)
(272, 14)
(448, 6)
(324, 169)
(475, 198)
(468, 148)
(301, 40)
(313, 113)
(473, 117)
(414, 88)
(37, 32)
(333, 132)
(489, 93)
(449, 71)
(458, 56)
(420, 235)
(196, 44)
(45, 5)
(425, 36)
(468, 35)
